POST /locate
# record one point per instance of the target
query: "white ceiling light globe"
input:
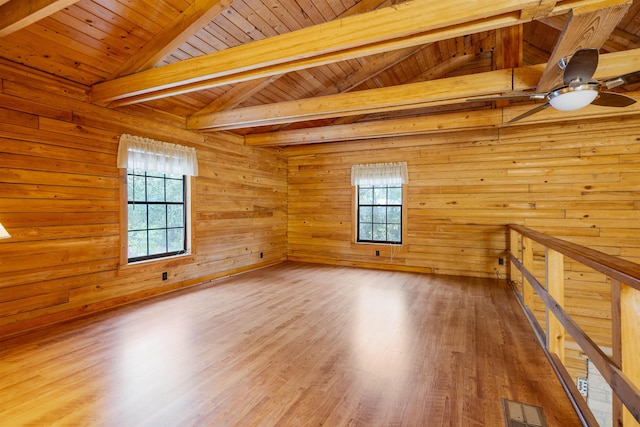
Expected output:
(573, 98)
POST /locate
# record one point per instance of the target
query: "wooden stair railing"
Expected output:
(622, 370)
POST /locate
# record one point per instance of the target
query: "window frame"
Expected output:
(189, 202)
(356, 215)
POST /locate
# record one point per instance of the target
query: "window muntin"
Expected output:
(157, 215)
(380, 214)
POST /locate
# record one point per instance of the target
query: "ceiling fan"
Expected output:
(579, 90)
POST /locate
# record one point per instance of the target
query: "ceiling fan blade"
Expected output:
(581, 67)
(625, 79)
(612, 99)
(530, 112)
(520, 97)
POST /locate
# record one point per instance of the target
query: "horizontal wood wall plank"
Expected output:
(575, 180)
(61, 202)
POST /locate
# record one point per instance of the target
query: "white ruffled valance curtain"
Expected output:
(137, 152)
(380, 174)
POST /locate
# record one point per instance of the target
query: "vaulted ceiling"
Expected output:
(285, 72)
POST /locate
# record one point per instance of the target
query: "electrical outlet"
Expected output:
(377, 253)
(500, 261)
(583, 386)
(164, 275)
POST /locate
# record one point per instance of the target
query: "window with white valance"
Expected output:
(157, 197)
(139, 153)
(379, 200)
(380, 174)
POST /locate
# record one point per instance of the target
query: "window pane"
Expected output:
(380, 214)
(380, 195)
(139, 192)
(137, 244)
(366, 214)
(130, 179)
(175, 192)
(155, 189)
(395, 195)
(394, 215)
(380, 232)
(365, 195)
(175, 215)
(157, 241)
(138, 217)
(157, 227)
(365, 232)
(157, 216)
(176, 239)
(394, 233)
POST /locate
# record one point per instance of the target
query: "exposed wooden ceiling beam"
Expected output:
(544, 8)
(243, 91)
(436, 92)
(237, 95)
(611, 65)
(588, 26)
(17, 14)
(408, 24)
(438, 123)
(459, 59)
(429, 93)
(431, 74)
(188, 23)
(379, 129)
(363, 74)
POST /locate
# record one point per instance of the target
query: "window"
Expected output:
(379, 201)
(157, 215)
(380, 214)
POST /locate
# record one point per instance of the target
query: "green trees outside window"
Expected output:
(380, 214)
(156, 215)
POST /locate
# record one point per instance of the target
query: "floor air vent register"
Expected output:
(517, 414)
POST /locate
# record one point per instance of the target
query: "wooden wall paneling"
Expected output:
(61, 202)
(15, 80)
(19, 118)
(31, 107)
(574, 180)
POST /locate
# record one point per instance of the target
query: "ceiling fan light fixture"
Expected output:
(571, 98)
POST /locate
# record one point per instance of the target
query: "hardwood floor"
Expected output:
(292, 345)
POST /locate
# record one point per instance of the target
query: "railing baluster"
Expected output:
(514, 248)
(629, 333)
(622, 371)
(616, 344)
(555, 287)
(527, 261)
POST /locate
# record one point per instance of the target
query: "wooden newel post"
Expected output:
(630, 341)
(555, 287)
(527, 261)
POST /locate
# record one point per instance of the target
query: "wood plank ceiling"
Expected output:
(290, 71)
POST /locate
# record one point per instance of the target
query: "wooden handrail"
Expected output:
(625, 271)
(620, 271)
(629, 394)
